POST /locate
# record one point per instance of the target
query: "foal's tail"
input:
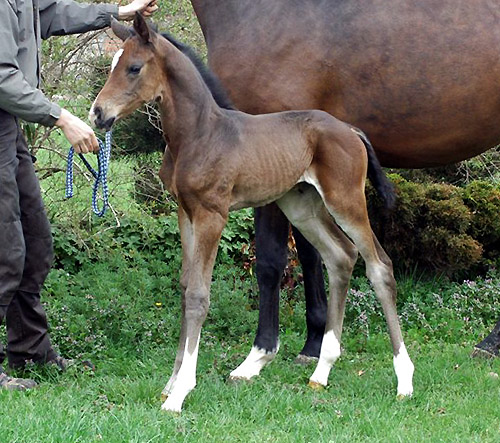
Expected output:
(380, 182)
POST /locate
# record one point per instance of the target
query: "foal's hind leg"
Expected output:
(347, 204)
(306, 211)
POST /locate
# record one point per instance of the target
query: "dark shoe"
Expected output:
(15, 384)
(64, 363)
(61, 363)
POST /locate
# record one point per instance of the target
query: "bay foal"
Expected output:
(313, 165)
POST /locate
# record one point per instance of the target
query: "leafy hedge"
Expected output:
(440, 227)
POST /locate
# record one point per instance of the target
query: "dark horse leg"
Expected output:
(490, 346)
(271, 238)
(271, 242)
(316, 302)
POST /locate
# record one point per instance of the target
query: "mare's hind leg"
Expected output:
(315, 295)
(347, 204)
(306, 211)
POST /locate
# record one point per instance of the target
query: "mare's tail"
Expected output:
(379, 180)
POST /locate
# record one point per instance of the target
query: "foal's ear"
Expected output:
(121, 31)
(142, 28)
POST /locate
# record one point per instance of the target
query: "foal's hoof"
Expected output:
(403, 397)
(305, 360)
(172, 406)
(236, 379)
(315, 385)
(172, 412)
(483, 353)
(163, 397)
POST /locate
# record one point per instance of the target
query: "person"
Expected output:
(25, 236)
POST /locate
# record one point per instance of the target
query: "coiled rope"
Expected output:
(101, 175)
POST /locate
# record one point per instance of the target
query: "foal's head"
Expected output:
(137, 74)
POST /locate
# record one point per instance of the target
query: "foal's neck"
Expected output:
(188, 107)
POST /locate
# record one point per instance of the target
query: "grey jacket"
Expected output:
(23, 23)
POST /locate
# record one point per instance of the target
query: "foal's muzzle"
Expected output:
(100, 121)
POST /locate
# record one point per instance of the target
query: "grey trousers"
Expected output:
(25, 250)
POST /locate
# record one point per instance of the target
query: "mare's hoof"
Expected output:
(163, 397)
(403, 397)
(315, 385)
(305, 360)
(483, 353)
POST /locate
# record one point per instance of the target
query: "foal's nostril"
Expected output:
(99, 118)
(98, 113)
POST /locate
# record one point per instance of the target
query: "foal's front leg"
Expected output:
(187, 240)
(206, 228)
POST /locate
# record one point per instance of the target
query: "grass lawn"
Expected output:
(456, 399)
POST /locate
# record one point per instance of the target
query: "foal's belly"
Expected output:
(253, 194)
(271, 163)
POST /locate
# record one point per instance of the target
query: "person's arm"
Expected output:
(17, 96)
(62, 17)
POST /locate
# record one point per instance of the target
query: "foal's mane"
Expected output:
(219, 94)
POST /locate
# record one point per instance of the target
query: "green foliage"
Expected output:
(440, 309)
(484, 167)
(440, 227)
(116, 293)
(238, 235)
(483, 200)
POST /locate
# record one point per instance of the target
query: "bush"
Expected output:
(483, 200)
(440, 227)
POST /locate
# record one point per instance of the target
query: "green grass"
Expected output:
(119, 307)
(107, 311)
(455, 400)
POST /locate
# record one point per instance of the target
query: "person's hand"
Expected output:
(145, 7)
(79, 134)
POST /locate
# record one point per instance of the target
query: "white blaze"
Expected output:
(116, 58)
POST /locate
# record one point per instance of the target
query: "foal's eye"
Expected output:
(134, 69)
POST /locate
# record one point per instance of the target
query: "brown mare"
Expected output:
(313, 165)
(420, 78)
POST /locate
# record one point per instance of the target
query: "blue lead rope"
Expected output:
(101, 175)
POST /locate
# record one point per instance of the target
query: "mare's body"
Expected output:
(420, 78)
(313, 165)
